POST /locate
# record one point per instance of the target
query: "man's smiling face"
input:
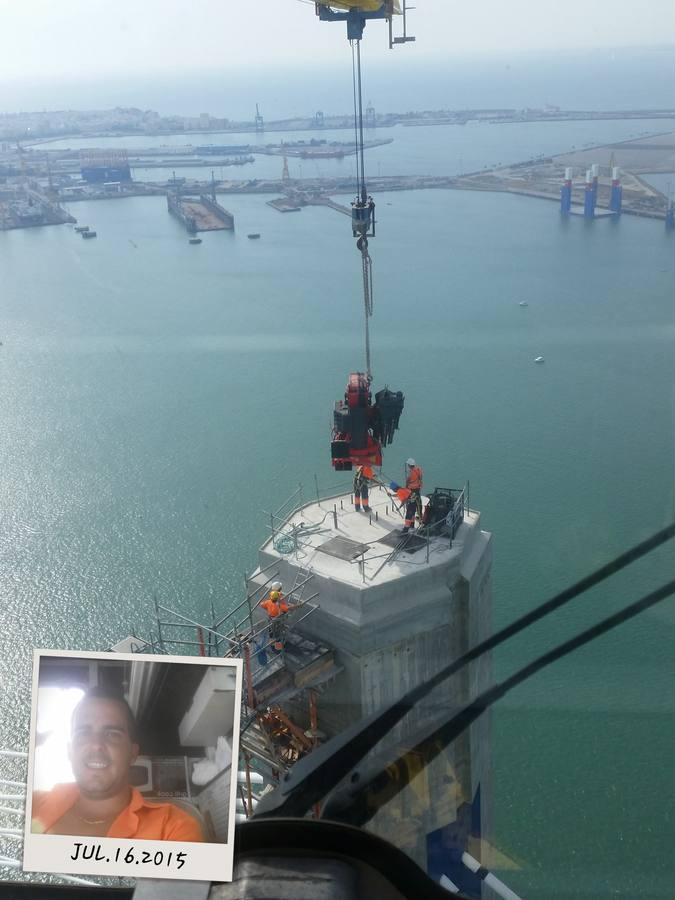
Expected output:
(101, 748)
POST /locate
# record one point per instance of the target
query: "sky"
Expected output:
(76, 39)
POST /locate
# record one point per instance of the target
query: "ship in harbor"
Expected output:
(199, 213)
(202, 213)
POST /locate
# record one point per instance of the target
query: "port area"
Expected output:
(28, 202)
(200, 214)
(318, 149)
(332, 539)
(41, 127)
(286, 204)
(543, 177)
(68, 162)
(30, 206)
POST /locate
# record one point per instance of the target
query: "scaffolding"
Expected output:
(271, 740)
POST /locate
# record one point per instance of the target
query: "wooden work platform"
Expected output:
(303, 663)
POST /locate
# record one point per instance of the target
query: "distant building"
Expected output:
(104, 165)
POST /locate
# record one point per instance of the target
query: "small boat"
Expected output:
(539, 359)
(88, 234)
(80, 229)
(523, 303)
(253, 236)
(195, 240)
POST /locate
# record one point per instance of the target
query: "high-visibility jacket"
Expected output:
(275, 606)
(414, 480)
(362, 476)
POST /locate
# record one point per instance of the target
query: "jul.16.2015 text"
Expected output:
(133, 856)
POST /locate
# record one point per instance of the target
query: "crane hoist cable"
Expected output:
(367, 270)
(362, 423)
(356, 124)
(363, 208)
(358, 120)
(356, 13)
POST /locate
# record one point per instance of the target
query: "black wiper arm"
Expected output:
(386, 775)
(318, 773)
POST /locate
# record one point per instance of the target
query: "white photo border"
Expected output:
(122, 857)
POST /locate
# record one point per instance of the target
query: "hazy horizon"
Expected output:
(96, 54)
(613, 79)
(59, 39)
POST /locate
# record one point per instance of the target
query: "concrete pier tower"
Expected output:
(566, 193)
(589, 196)
(616, 194)
(595, 175)
(396, 609)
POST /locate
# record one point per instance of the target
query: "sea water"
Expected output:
(159, 399)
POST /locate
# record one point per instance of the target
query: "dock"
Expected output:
(331, 204)
(284, 205)
(200, 214)
(24, 206)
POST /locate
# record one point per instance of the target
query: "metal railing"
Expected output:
(225, 636)
(12, 817)
(450, 523)
(298, 536)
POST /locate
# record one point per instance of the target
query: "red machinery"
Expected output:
(360, 427)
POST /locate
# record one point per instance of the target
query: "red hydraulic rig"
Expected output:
(362, 428)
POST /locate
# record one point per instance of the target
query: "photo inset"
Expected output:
(133, 763)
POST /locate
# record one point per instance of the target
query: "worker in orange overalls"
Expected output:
(413, 483)
(276, 607)
(362, 478)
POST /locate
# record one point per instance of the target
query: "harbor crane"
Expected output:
(362, 427)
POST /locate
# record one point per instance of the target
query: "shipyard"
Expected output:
(35, 186)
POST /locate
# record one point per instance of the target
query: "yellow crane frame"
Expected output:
(393, 6)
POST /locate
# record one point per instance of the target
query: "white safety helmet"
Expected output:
(276, 586)
(410, 462)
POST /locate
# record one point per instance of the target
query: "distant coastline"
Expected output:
(40, 181)
(36, 128)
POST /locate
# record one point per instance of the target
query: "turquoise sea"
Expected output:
(159, 399)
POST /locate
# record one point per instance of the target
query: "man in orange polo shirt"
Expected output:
(101, 803)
